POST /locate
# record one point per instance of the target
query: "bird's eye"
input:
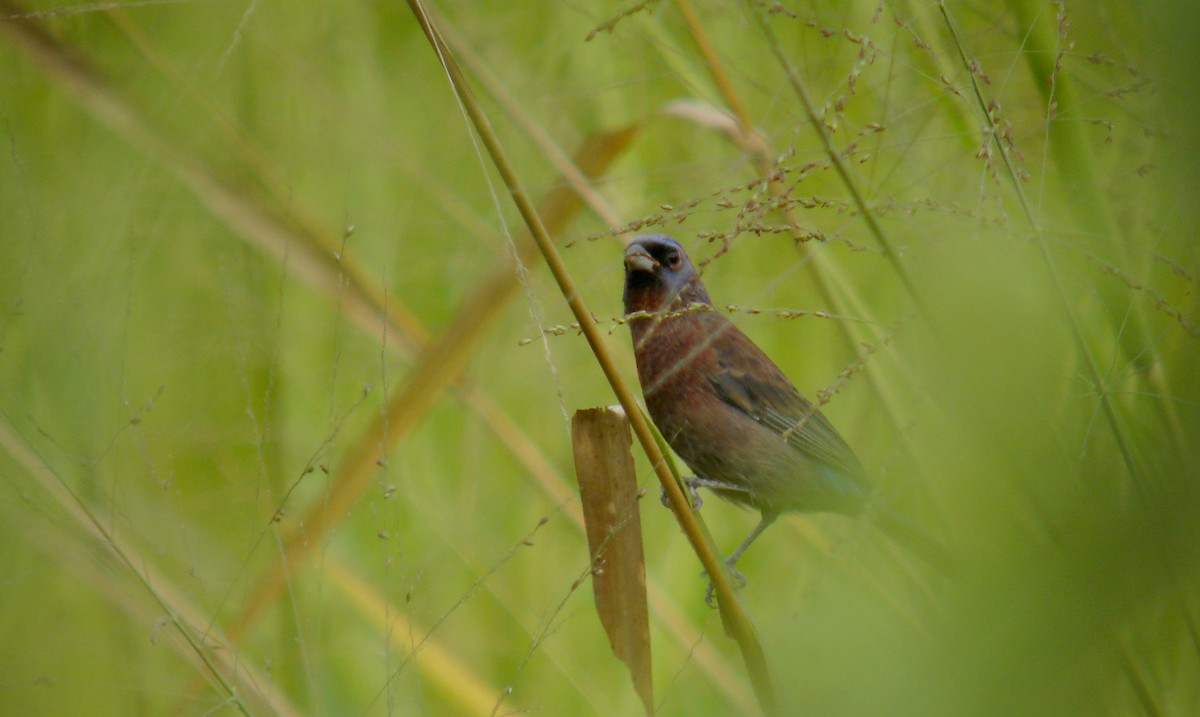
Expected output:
(673, 260)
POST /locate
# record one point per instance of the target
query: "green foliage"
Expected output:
(181, 398)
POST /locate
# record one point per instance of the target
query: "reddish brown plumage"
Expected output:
(729, 411)
(721, 403)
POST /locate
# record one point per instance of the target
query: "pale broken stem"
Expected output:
(609, 494)
(340, 280)
(737, 623)
(436, 368)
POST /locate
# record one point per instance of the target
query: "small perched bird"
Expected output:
(730, 413)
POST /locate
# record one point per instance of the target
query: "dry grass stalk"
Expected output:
(609, 493)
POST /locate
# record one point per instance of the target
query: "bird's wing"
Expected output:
(749, 381)
(788, 414)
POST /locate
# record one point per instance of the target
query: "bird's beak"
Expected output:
(638, 259)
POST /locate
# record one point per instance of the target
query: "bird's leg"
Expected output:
(738, 578)
(767, 519)
(692, 482)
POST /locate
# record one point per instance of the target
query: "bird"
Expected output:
(731, 413)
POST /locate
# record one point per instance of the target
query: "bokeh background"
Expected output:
(284, 428)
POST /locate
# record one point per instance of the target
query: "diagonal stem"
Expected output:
(1064, 304)
(823, 276)
(735, 619)
(839, 164)
(234, 678)
(309, 249)
(436, 369)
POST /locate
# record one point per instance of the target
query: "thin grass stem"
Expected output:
(736, 622)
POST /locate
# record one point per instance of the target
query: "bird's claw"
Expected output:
(738, 579)
(693, 483)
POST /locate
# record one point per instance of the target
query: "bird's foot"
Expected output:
(692, 482)
(738, 579)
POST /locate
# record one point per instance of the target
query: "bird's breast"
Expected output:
(674, 356)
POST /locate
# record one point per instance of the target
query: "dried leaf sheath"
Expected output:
(609, 493)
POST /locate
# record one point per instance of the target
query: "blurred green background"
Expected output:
(232, 231)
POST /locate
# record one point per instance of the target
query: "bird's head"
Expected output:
(659, 276)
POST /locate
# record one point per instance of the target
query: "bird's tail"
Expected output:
(917, 541)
